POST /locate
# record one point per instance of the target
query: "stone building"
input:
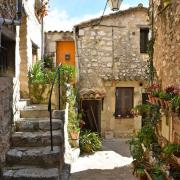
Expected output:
(111, 55)
(18, 47)
(60, 46)
(166, 27)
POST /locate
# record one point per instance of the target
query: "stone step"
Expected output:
(23, 103)
(30, 173)
(36, 139)
(35, 124)
(38, 156)
(35, 111)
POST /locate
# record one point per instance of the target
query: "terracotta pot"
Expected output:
(153, 100)
(74, 135)
(176, 157)
(162, 103)
(167, 104)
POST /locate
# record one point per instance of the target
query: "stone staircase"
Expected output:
(30, 156)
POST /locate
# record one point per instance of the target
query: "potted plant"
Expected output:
(174, 151)
(89, 142)
(157, 173)
(73, 121)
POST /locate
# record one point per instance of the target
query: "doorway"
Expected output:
(91, 112)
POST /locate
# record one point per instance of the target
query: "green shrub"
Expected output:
(136, 149)
(48, 62)
(90, 142)
(73, 119)
(36, 73)
(170, 148)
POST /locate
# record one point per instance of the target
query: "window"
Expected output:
(7, 57)
(144, 40)
(124, 102)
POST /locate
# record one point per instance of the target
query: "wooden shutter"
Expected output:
(124, 101)
(144, 40)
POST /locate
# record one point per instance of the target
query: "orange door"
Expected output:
(65, 52)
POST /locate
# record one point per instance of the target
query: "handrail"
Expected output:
(49, 102)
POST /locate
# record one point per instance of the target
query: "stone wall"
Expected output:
(29, 35)
(111, 51)
(167, 42)
(108, 56)
(6, 91)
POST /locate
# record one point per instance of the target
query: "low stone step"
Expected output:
(38, 156)
(36, 139)
(35, 124)
(30, 173)
(23, 103)
(35, 111)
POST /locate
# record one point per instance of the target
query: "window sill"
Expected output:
(124, 117)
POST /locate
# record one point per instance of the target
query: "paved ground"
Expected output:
(112, 163)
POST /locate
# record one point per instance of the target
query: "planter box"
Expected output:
(39, 94)
(176, 125)
(176, 157)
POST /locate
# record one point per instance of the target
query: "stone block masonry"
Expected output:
(6, 91)
(111, 50)
(167, 43)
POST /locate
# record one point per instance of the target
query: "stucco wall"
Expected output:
(6, 92)
(124, 126)
(167, 42)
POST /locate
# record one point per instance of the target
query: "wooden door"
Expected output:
(65, 52)
(92, 114)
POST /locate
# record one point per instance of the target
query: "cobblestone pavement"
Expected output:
(112, 163)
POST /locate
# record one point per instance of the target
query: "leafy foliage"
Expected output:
(136, 149)
(90, 142)
(73, 117)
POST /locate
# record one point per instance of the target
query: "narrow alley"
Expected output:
(112, 163)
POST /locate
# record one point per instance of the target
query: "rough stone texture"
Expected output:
(35, 111)
(34, 124)
(34, 139)
(30, 173)
(30, 155)
(29, 35)
(167, 42)
(5, 116)
(111, 50)
(109, 56)
(41, 156)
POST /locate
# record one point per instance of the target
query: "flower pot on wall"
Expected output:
(74, 135)
(176, 157)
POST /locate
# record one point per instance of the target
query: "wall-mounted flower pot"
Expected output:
(176, 157)
(74, 135)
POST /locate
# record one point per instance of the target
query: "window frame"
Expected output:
(132, 101)
(143, 49)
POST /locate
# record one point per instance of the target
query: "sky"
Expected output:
(64, 14)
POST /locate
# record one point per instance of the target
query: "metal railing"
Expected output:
(57, 74)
